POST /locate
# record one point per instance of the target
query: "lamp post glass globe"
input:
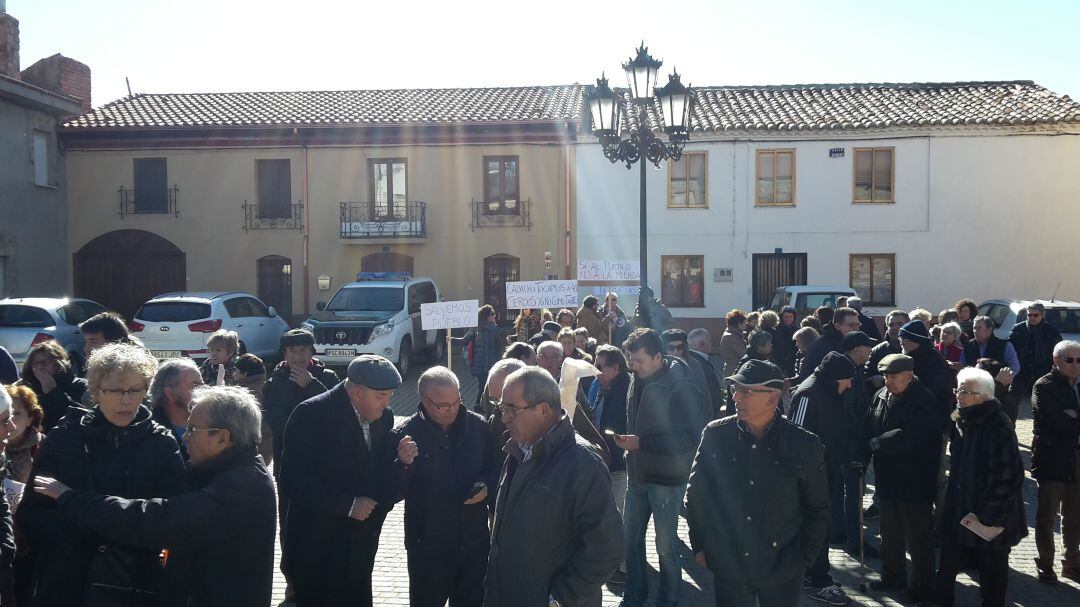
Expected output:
(641, 74)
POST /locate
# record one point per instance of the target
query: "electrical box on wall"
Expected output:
(723, 275)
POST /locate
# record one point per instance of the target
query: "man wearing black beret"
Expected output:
(334, 446)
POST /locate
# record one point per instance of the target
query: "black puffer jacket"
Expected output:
(828, 342)
(87, 453)
(1057, 433)
(665, 411)
(437, 483)
(877, 353)
(985, 476)
(933, 373)
(220, 536)
(68, 392)
(758, 509)
(903, 434)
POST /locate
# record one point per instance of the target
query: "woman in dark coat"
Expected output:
(985, 479)
(49, 373)
(113, 448)
(484, 351)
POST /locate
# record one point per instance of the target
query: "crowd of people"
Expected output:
(133, 482)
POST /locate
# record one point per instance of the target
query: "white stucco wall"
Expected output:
(976, 215)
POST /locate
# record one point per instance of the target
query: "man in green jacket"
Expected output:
(758, 499)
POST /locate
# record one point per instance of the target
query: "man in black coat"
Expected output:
(985, 479)
(894, 320)
(857, 348)
(677, 345)
(757, 503)
(699, 348)
(334, 446)
(445, 469)
(866, 324)
(818, 405)
(902, 434)
(929, 366)
(1055, 461)
(1034, 340)
(220, 535)
(556, 536)
(845, 320)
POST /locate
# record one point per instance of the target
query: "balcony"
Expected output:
(379, 220)
(501, 215)
(147, 201)
(273, 217)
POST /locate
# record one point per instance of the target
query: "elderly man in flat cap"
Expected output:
(758, 500)
(334, 445)
(902, 433)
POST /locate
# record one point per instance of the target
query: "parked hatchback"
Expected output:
(1062, 315)
(26, 322)
(178, 324)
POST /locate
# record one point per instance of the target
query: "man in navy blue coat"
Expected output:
(334, 446)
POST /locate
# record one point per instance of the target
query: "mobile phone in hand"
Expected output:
(476, 489)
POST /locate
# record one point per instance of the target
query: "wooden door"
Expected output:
(774, 270)
(123, 269)
(499, 270)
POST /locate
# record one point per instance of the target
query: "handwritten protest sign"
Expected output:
(541, 294)
(598, 270)
(448, 314)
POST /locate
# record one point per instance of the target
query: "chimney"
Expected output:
(63, 75)
(9, 43)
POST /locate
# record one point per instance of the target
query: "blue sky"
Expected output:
(244, 45)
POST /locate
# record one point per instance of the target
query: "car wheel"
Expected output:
(437, 351)
(404, 354)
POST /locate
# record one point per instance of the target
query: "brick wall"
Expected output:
(62, 75)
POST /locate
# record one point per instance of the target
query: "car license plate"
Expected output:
(340, 352)
(164, 354)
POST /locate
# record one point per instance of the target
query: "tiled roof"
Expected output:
(809, 107)
(338, 108)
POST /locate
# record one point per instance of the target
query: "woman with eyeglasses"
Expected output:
(113, 448)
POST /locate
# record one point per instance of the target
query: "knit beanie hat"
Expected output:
(917, 332)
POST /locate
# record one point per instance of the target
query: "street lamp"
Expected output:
(676, 103)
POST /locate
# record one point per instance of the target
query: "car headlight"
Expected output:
(383, 329)
(307, 327)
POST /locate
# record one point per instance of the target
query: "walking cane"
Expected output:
(862, 535)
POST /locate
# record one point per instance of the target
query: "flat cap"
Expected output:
(297, 337)
(551, 327)
(758, 373)
(896, 363)
(374, 371)
(856, 339)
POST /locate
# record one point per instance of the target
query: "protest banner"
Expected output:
(542, 294)
(449, 315)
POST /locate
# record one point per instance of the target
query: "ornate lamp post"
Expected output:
(640, 142)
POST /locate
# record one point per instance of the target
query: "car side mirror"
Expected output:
(320, 306)
(271, 311)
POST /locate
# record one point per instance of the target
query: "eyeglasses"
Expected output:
(676, 347)
(441, 406)
(512, 411)
(962, 391)
(139, 392)
(193, 429)
(748, 391)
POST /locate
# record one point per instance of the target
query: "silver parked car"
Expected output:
(28, 321)
(178, 324)
(1062, 315)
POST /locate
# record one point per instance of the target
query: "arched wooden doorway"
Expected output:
(122, 269)
(274, 274)
(386, 261)
(499, 270)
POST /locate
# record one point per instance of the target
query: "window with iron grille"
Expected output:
(501, 185)
(151, 185)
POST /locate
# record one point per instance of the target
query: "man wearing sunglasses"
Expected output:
(757, 503)
(1055, 462)
(444, 467)
(1034, 340)
(556, 536)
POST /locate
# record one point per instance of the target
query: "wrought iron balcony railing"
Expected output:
(270, 217)
(148, 201)
(510, 214)
(384, 220)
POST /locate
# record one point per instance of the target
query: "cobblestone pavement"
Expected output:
(391, 584)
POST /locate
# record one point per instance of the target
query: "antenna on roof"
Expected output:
(1054, 296)
(128, 85)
